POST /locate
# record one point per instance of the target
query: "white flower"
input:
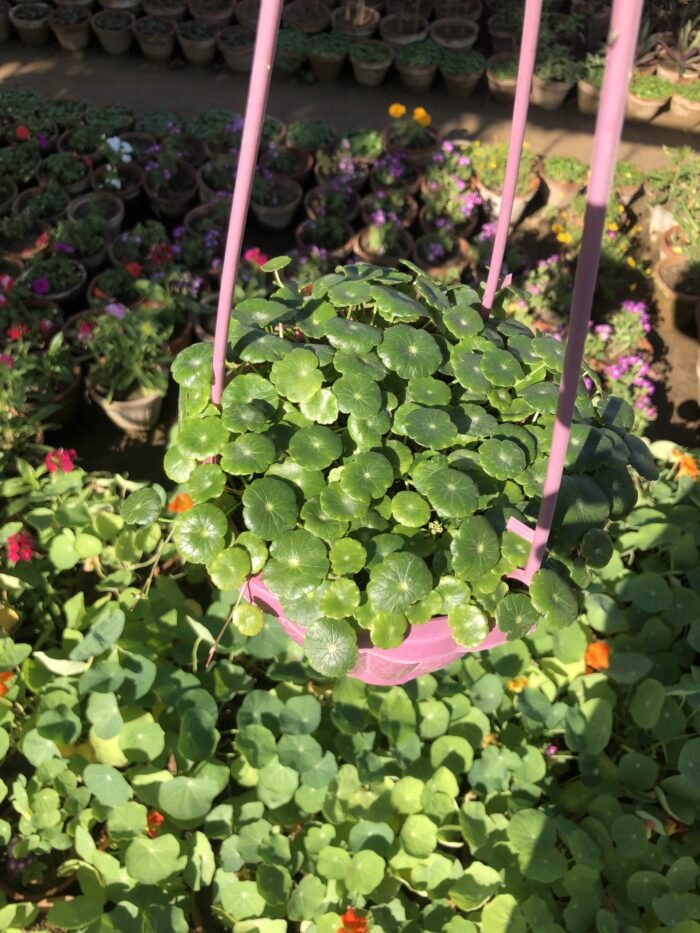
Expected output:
(114, 143)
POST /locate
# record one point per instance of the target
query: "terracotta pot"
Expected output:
(239, 58)
(307, 18)
(642, 108)
(25, 196)
(339, 252)
(133, 416)
(416, 77)
(502, 41)
(588, 97)
(454, 32)
(279, 217)
(409, 217)
(357, 182)
(27, 246)
(73, 190)
(131, 176)
(502, 89)
(549, 95)
(175, 204)
(158, 49)
(364, 29)
(304, 158)
(371, 74)
(139, 143)
(8, 197)
(464, 231)
(110, 207)
(418, 158)
(198, 51)
(668, 70)
(359, 246)
(449, 267)
(326, 69)
(73, 37)
(174, 10)
(349, 215)
(675, 306)
(461, 85)
(520, 202)
(391, 31)
(667, 249)
(218, 14)
(686, 112)
(33, 32)
(560, 194)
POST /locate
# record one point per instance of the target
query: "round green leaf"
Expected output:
(321, 408)
(151, 861)
(463, 321)
(367, 473)
(468, 624)
(502, 459)
(274, 883)
(142, 507)
(515, 615)
(297, 564)
(352, 336)
(206, 481)
(430, 427)
(192, 367)
(319, 523)
(248, 619)
(107, 784)
(398, 582)
(229, 568)
(276, 784)
(177, 464)
(689, 762)
(452, 493)
(315, 448)
(333, 863)
(269, 508)
(296, 376)
(425, 390)
(301, 752)
(202, 437)
(410, 509)
(597, 547)
(366, 872)
(553, 597)
(347, 557)
(338, 504)
(257, 744)
(199, 533)
(649, 591)
(646, 703)
(409, 352)
(248, 454)
(240, 418)
(468, 373)
(187, 798)
(340, 599)
(500, 367)
(418, 836)
(357, 395)
(475, 548)
(331, 646)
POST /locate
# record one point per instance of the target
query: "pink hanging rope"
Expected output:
(626, 17)
(263, 56)
(526, 67)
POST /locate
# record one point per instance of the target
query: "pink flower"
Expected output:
(60, 459)
(116, 309)
(85, 330)
(6, 360)
(161, 254)
(17, 331)
(19, 548)
(255, 255)
(41, 286)
(551, 750)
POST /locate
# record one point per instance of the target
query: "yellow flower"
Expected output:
(517, 684)
(557, 228)
(493, 164)
(421, 116)
(613, 227)
(489, 739)
(477, 142)
(620, 208)
(396, 111)
(526, 145)
(631, 263)
(564, 238)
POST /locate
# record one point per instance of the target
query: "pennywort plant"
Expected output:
(374, 438)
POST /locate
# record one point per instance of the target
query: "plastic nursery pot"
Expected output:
(686, 111)
(236, 44)
(587, 97)
(113, 29)
(31, 22)
(560, 194)
(500, 87)
(358, 21)
(279, 216)
(676, 306)
(397, 30)
(549, 95)
(426, 648)
(108, 206)
(370, 71)
(309, 18)
(133, 416)
(403, 251)
(217, 13)
(156, 37)
(453, 32)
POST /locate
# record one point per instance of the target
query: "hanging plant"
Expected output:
(374, 438)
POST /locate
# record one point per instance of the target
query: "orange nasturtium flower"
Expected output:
(421, 116)
(396, 111)
(517, 684)
(686, 464)
(154, 820)
(180, 503)
(5, 678)
(597, 656)
(352, 923)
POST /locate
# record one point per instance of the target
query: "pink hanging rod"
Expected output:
(626, 17)
(263, 57)
(526, 67)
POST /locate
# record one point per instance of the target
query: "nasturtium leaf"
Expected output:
(142, 507)
(500, 367)
(649, 591)
(331, 646)
(103, 711)
(333, 863)
(301, 752)
(431, 428)
(475, 548)
(248, 454)
(187, 798)
(297, 564)
(105, 629)
(300, 715)
(357, 395)
(638, 771)
(689, 762)
(468, 372)
(315, 447)
(198, 735)
(418, 835)
(309, 482)
(425, 390)
(410, 509)
(367, 472)
(276, 263)
(452, 493)
(202, 437)
(306, 899)
(647, 702)
(77, 913)
(339, 599)
(553, 597)
(452, 752)
(247, 388)
(409, 352)
(617, 484)
(347, 556)
(242, 417)
(365, 873)
(257, 744)
(597, 547)
(351, 336)
(199, 532)
(152, 861)
(274, 883)
(617, 413)
(541, 397)
(107, 785)
(463, 321)
(229, 568)
(177, 464)
(468, 624)
(398, 582)
(515, 615)
(276, 784)
(127, 821)
(321, 408)
(640, 457)
(629, 835)
(501, 459)
(256, 548)
(478, 883)
(142, 739)
(319, 523)
(269, 508)
(205, 482)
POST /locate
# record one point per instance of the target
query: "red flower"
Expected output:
(19, 547)
(5, 678)
(6, 282)
(154, 820)
(352, 923)
(17, 331)
(46, 327)
(161, 254)
(22, 132)
(134, 269)
(180, 503)
(42, 240)
(60, 459)
(255, 255)
(98, 293)
(597, 656)
(85, 330)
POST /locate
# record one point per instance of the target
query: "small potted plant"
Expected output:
(308, 16)
(646, 96)
(275, 200)
(417, 64)
(442, 255)
(564, 176)
(411, 137)
(504, 28)
(327, 54)
(395, 173)
(627, 181)
(126, 377)
(685, 102)
(83, 140)
(589, 83)
(215, 178)
(31, 23)
(67, 169)
(462, 71)
(217, 13)
(174, 10)
(454, 33)
(290, 52)
(403, 28)
(556, 72)
(288, 161)
(22, 236)
(64, 112)
(134, 250)
(169, 181)
(110, 119)
(120, 175)
(20, 162)
(170, 302)
(55, 277)
(103, 204)
(198, 40)
(311, 135)
(113, 286)
(159, 123)
(370, 60)
(83, 240)
(392, 202)
(45, 204)
(341, 165)
(502, 76)
(337, 198)
(156, 37)
(384, 240)
(71, 26)
(366, 146)
(236, 44)
(356, 18)
(114, 30)
(489, 163)
(328, 232)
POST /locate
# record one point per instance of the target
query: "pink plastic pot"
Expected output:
(426, 648)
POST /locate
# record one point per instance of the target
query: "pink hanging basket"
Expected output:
(426, 648)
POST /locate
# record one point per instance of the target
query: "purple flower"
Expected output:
(116, 309)
(378, 217)
(63, 248)
(42, 139)
(604, 331)
(551, 750)
(179, 232)
(41, 286)
(588, 382)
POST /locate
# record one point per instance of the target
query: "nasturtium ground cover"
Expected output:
(378, 411)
